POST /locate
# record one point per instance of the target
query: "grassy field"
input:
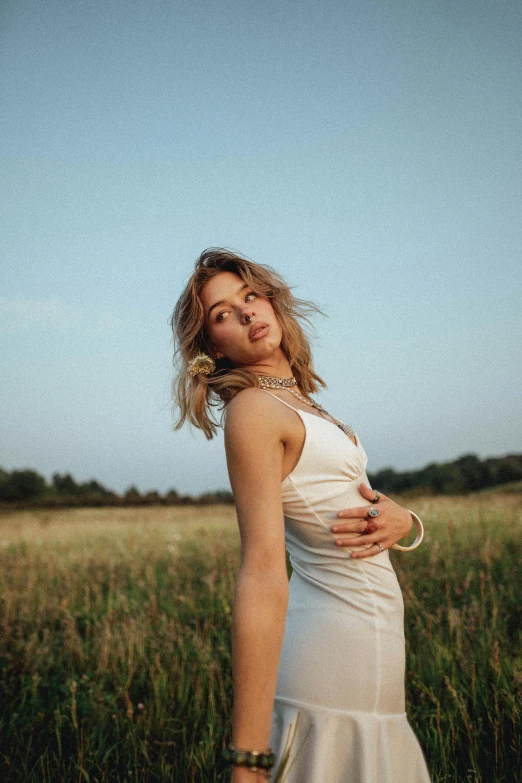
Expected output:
(115, 637)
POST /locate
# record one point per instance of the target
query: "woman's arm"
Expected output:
(255, 450)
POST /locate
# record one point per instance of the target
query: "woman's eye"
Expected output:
(220, 316)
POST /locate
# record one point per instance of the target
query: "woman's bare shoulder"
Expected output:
(253, 408)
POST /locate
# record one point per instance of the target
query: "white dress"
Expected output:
(340, 701)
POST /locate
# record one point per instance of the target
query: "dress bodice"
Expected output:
(325, 480)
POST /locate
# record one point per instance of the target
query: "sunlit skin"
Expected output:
(229, 303)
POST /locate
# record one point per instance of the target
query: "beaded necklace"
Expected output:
(271, 382)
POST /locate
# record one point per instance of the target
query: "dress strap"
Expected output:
(280, 400)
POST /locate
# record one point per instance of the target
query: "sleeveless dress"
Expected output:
(340, 703)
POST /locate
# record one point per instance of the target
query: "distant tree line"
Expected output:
(465, 474)
(20, 488)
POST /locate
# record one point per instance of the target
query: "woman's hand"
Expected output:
(393, 523)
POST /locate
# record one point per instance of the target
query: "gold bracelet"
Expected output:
(418, 538)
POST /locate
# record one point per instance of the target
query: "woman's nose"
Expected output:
(246, 318)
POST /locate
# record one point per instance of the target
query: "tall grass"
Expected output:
(115, 642)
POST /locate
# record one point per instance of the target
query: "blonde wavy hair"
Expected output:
(195, 396)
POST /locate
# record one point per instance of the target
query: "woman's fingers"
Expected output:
(357, 526)
(361, 512)
(361, 541)
(359, 522)
(370, 552)
(369, 493)
(354, 526)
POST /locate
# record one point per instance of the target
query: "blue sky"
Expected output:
(370, 152)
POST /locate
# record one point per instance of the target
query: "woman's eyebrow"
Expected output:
(222, 301)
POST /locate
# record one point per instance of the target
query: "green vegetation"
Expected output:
(26, 488)
(115, 641)
(465, 474)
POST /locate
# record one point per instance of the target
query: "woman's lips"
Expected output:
(257, 331)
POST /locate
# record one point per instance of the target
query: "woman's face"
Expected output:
(240, 324)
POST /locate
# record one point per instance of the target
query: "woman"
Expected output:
(318, 662)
